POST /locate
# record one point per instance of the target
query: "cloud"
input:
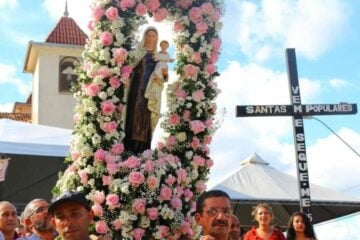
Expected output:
(237, 138)
(338, 83)
(8, 3)
(6, 107)
(268, 27)
(78, 10)
(8, 76)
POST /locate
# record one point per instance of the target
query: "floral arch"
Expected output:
(152, 194)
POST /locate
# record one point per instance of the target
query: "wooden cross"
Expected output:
(297, 110)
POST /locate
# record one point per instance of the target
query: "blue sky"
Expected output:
(326, 36)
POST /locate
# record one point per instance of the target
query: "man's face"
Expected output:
(39, 218)
(72, 220)
(234, 228)
(8, 218)
(216, 217)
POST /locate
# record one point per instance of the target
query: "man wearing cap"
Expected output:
(38, 220)
(71, 216)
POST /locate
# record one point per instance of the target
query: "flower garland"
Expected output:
(151, 195)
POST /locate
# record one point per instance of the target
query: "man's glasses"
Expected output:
(212, 212)
(39, 210)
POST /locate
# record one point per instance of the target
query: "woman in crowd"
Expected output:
(300, 228)
(264, 215)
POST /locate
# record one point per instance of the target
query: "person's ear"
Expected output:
(27, 222)
(91, 216)
(197, 217)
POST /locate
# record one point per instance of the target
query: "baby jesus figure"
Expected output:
(162, 58)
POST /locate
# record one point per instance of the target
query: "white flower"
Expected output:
(181, 136)
(102, 95)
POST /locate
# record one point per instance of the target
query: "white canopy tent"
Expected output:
(255, 181)
(32, 139)
(36, 154)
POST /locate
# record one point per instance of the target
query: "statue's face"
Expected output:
(150, 38)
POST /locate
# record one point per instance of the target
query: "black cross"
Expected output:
(297, 111)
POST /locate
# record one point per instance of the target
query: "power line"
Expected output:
(331, 130)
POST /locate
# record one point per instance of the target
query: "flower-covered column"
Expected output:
(152, 194)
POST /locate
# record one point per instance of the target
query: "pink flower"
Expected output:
(196, 57)
(75, 155)
(165, 193)
(120, 55)
(210, 68)
(133, 162)
(199, 161)
(164, 231)
(195, 143)
(99, 155)
(170, 180)
(185, 4)
(152, 5)
(152, 213)
(138, 233)
(207, 139)
(136, 178)
(152, 182)
(176, 203)
(186, 115)
(188, 193)
(180, 93)
(200, 186)
(107, 107)
(106, 38)
(92, 89)
(208, 123)
(104, 72)
(201, 27)
(149, 166)
(91, 25)
(109, 127)
(98, 197)
(101, 227)
(112, 168)
(178, 27)
(126, 71)
(216, 44)
(197, 126)
(117, 148)
(170, 141)
(216, 16)
(114, 82)
(195, 14)
(117, 224)
(83, 176)
(97, 13)
(139, 205)
(112, 13)
(160, 14)
(181, 175)
(125, 4)
(190, 71)
(209, 163)
(112, 200)
(214, 57)
(106, 180)
(198, 95)
(174, 119)
(97, 210)
(140, 9)
(207, 8)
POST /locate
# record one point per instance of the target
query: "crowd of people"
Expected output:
(69, 217)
